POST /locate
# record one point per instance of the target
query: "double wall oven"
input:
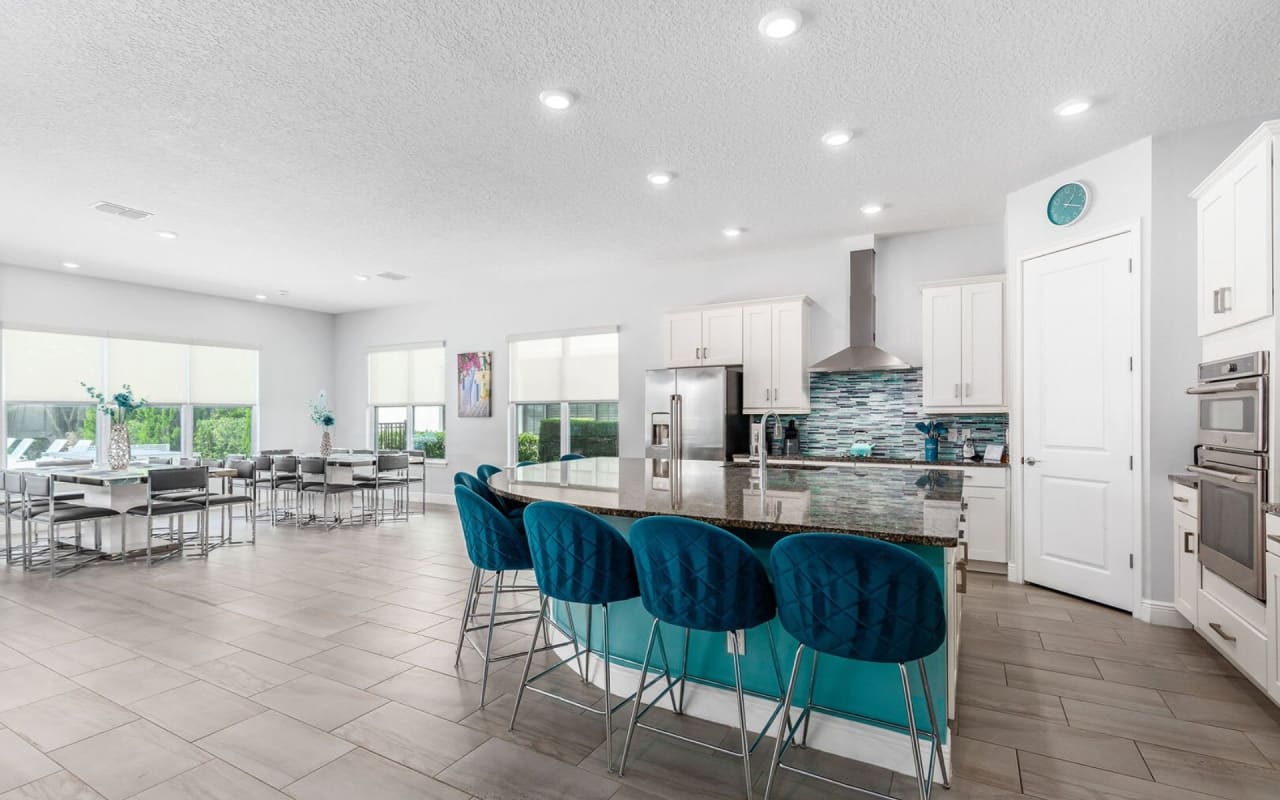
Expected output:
(1232, 463)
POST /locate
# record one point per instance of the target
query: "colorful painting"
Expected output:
(475, 384)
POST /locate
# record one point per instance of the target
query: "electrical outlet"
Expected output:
(953, 435)
(966, 433)
(742, 642)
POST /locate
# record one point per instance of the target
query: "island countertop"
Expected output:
(905, 505)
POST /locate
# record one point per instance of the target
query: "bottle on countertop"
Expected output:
(792, 440)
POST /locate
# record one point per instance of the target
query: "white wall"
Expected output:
(1120, 189)
(479, 317)
(295, 347)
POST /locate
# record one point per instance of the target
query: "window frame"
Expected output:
(408, 405)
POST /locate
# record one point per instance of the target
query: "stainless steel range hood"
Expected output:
(861, 355)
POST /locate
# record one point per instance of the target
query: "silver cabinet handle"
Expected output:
(1225, 293)
(957, 390)
(1217, 307)
(1186, 542)
(968, 389)
(1217, 628)
(1222, 476)
(1183, 500)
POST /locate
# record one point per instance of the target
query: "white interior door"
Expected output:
(1079, 308)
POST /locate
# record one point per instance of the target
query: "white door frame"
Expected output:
(1013, 303)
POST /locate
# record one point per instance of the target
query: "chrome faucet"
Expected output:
(764, 449)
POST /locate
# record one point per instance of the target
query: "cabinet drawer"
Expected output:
(1240, 642)
(1186, 500)
(986, 477)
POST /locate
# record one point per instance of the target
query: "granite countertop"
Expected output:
(874, 460)
(1185, 479)
(904, 504)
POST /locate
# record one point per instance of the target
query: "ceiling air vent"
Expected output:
(117, 210)
(393, 276)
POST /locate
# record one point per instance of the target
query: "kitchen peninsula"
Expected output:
(918, 508)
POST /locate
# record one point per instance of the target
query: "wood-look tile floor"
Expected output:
(319, 665)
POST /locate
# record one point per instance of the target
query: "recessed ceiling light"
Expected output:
(871, 209)
(166, 234)
(1072, 107)
(733, 233)
(556, 99)
(361, 277)
(259, 297)
(781, 23)
(70, 265)
(660, 178)
(837, 138)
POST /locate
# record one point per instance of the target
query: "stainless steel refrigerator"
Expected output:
(696, 409)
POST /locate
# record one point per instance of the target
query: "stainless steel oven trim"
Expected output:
(1256, 388)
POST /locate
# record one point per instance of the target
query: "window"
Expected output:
(407, 398)
(45, 430)
(200, 395)
(564, 394)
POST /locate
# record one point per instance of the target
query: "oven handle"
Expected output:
(1219, 388)
(1219, 474)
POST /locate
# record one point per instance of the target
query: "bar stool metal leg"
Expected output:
(742, 710)
(785, 730)
(933, 728)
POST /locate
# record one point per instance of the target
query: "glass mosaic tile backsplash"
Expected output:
(887, 405)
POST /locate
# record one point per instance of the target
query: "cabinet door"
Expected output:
(1186, 565)
(1249, 297)
(1273, 626)
(790, 354)
(942, 346)
(982, 344)
(757, 358)
(682, 339)
(722, 336)
(1216, 257)
(985, 524)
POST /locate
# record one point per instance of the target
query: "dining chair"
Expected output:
(42, 508)
(314, 482)
(193, 484)
(391, 473)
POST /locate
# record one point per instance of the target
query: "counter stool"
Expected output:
(572, 457)
(514, 515)
(493, 545)
(857, 598)
(697, 576)
(577, 558)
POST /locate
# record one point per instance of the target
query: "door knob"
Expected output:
(1030, 461)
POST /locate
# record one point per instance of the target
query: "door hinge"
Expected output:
(1131, 561)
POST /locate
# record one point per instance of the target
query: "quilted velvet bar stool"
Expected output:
(481, 487)
(700, 577)
(861, 599)
(493, 545)
(577, 558)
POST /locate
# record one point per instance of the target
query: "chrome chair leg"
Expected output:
(466, 616)
(784, 729)
(608, 694)
(915, 734)
(742, 710)
(635, 708)
(528, 663)
(488, 645)
(933, 728)
(684, 671)
(813, 680)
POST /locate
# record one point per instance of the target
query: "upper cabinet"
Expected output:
(963, 343)
(1236, 233)
(769, 338)
(703, 337)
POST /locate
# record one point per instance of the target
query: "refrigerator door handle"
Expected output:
(677, 427)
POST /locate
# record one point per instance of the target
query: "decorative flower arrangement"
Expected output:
(933, 431)
(320, 413)
(119, 405)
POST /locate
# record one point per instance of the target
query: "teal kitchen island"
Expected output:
(918, 508)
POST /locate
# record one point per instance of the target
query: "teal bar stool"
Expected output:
(572, 457)
(851, 597)
(700, 577)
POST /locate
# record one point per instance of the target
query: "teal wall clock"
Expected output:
(1068, 203)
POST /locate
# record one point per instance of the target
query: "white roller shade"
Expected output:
(568, 368)
(224, 376)
(48, 367)
(157, 371)
(389, 377)
(427, 376)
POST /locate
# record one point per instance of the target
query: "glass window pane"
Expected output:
(593, 429)
(428, 430)
(155, 431)
(220, 432)
(389, 427)
(44, 430)
(538, 431)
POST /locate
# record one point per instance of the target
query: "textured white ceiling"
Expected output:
(293, 143)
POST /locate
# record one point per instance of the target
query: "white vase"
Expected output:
(326, 443)
(118, 449)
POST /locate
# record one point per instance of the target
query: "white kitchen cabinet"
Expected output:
(1236, 234)
(1273, 625)
(775, 356)
(1186, 564)
(703, 337)
(985, 500)
(963, 345)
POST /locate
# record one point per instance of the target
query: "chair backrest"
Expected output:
(13, 482)
(699, 576)
(393, 462)
(311, 466)
(40, 486)
(526, 463)
(858, 598)
(262, 463)
(176, 479)
(478, 486)
(275, 452)
(285, 465)
(244, 469)
(210, 462)
(486, 471)
(361, 452)
(415, 453)
(572, 457)
(160, 460)
(493, 543)
(577, 556)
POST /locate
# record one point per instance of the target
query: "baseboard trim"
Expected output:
(1158, 612)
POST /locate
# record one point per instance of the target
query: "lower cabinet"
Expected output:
(986, 514)
(1186, 562)
(1273, 625)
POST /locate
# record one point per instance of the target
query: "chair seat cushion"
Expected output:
(166, 507)
(15, 509)
(382, 484)
(333, 488)
(186, 496)
(74, 513)
(229, 499)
